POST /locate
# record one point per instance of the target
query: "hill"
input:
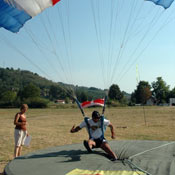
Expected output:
(17, 80)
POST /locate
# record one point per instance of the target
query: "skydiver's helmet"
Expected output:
(96, 115)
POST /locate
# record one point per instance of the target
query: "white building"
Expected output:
(172, 102)
(60, 101)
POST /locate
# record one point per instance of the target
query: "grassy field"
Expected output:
(50, 127)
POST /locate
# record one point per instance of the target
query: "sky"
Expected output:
(96, 43)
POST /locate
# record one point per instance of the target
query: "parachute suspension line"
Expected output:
(44, 56)
(33, 38)
(99, 43)
(32, 63)
(79, 105)
(67, 46)
(110, 32)
(136, 48)
(135, 167)
(49, 61)
(113, 28)
(169, 20)
(133, 22)
(97, 31)
(71, 94)
(53, 33)
(119, 55)
(38, 42)
(158, 147)
(70, 44)
(139, 29)
(47, 30)
(146, 33)
(137, 75)
(54, 51)
(104, 107)
(27, 58)
(127, 68)
(68, 50)
(67, 43)
(123, 42)
(97, 16)
(49, 35)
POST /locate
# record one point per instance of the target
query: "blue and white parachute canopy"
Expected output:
(164, 3)
(14, 13)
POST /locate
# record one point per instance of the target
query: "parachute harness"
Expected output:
(86, 118)
(101, 126)
(127, 161)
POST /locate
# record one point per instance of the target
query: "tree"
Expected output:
(67, 100)
(115, 93)
(56, 92)
(30, 91)
(83, 96)
(172, 93)
(8, 98)
(53, 92)
(160, 91)
(142, 93)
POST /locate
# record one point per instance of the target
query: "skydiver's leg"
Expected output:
(105, 146)
(89, 145)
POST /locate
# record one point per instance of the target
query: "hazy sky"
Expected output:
(96, 43)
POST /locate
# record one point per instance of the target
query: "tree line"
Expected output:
(20, 86)
(158, 91)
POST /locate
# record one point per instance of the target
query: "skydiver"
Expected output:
(95, 128)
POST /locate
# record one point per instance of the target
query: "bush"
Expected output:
(66, 106)
(115, 103)
(7, 99)
(36, 102)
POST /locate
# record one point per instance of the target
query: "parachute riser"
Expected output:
(104, 107)
(79, 105)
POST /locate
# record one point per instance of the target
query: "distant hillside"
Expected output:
(16, 80)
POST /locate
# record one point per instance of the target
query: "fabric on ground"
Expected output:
(101, 172)
(151, 157)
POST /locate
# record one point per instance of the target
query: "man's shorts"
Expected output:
(20, 137)
(99, 142)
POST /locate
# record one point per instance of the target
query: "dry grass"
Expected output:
(50, 127)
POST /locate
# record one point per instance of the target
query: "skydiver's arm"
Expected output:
(75, 129)
(112, 131)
